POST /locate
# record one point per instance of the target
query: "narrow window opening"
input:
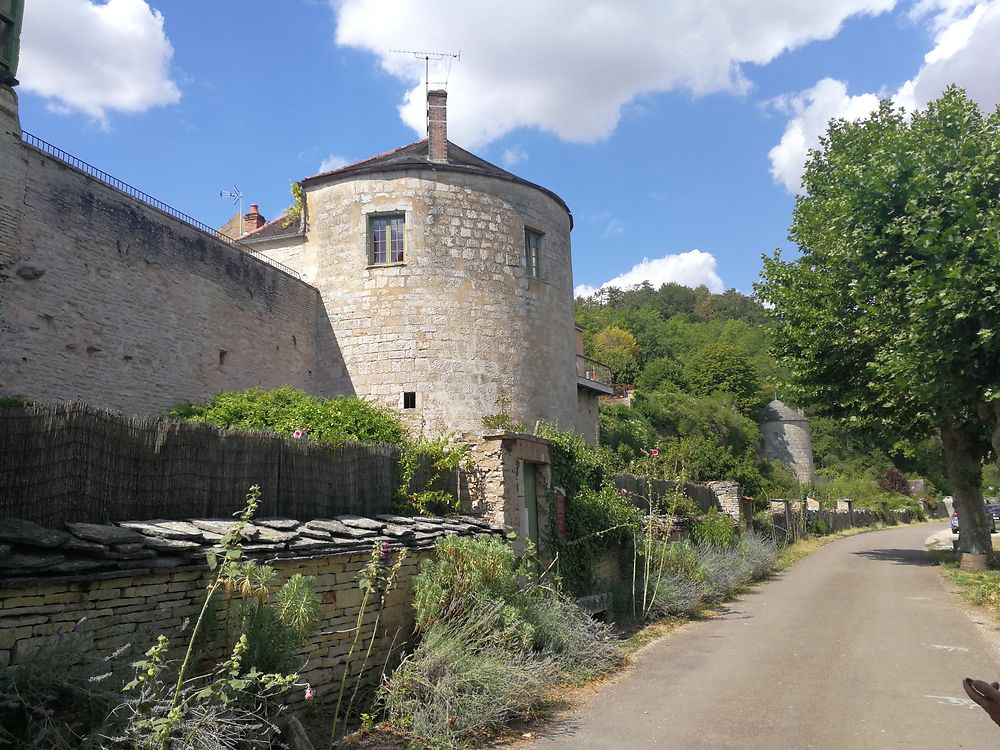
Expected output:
(532, 252)
(222, 357)
(409, 399)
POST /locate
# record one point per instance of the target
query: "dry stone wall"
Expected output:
(107, 300)
(137, 598)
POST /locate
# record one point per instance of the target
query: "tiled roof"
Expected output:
(274, 229)
(415, 156)
(777, 411)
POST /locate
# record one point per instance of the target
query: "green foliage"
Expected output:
(494, 641)
(714, 529)
(502, 420)
(435, 457)
(626, 432)
(228, 705)
(619, 350)
(889, 317)
(712, 419)
(660, 372)
(293, 214)
(332, 421)
(274, 630)
(726, 369)
(60, 695)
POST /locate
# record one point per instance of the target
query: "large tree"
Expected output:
(890, 316)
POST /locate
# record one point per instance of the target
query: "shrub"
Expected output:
(60, 695)
(328, 420)
(492, 645)
(725, 569)
(759, 551)
(714, 529)
(681, 591)
(892, 482)
(274, 630)
(461, 681)
(334, 421)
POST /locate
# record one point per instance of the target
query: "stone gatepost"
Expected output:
(515, 473)
(727, 495)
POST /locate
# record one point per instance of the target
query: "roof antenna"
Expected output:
(237, 195)
(427, 57)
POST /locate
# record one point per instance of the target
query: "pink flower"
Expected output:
(310, 694)
(385, 550)
(298, 433)
(654, 453)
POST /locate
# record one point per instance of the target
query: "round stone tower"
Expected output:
(447, 282)
(785, 437)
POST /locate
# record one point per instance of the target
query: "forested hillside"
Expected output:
(702, 370)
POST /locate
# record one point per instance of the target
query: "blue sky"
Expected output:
(674, 129)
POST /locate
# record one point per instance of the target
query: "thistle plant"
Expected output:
(230, 704)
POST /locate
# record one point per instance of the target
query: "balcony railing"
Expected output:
(591, 369)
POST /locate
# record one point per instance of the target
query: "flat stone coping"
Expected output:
(31, 554)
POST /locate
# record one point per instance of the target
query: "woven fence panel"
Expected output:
(79, 463)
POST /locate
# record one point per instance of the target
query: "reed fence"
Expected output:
(77, 462)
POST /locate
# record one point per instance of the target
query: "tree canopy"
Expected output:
(889, 317)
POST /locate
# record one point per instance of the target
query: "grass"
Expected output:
(981, 587)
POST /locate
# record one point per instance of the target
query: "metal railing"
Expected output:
(591, 369)
(45, 147)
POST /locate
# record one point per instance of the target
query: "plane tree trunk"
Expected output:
(963, 455)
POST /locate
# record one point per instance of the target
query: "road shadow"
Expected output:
(898, 556)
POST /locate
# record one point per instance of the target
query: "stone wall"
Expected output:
(128, 609)
(458, 323)
(121, 607)
(588, 418)
(107, 300)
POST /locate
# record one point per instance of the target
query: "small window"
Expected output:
(386, 238)
(532, 252)
(409, 399)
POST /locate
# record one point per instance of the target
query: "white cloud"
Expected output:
(962, 53)
(693, 268)
(568, 67)
(92, 58)
(613, 228)
(512, 156)
(811, 112)
(967, 35)
(333, 161)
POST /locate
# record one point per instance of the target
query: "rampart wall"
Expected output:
(107, 300)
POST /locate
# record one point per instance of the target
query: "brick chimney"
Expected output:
(437, 126)
(253, 220)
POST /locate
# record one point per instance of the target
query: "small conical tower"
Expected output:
(785, 436)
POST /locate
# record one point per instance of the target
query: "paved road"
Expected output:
(861, 645)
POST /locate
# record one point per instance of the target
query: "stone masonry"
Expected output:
(106, 300)
(131, 604)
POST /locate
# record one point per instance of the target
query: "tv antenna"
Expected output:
(237, 195)
(427, 57)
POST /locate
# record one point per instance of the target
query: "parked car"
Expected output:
(992, 515)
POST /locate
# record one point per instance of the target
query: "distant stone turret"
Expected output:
(785, 437)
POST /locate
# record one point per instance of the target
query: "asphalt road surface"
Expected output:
(860, 645)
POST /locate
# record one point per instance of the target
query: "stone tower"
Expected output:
(447, 282)
(785, 437)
